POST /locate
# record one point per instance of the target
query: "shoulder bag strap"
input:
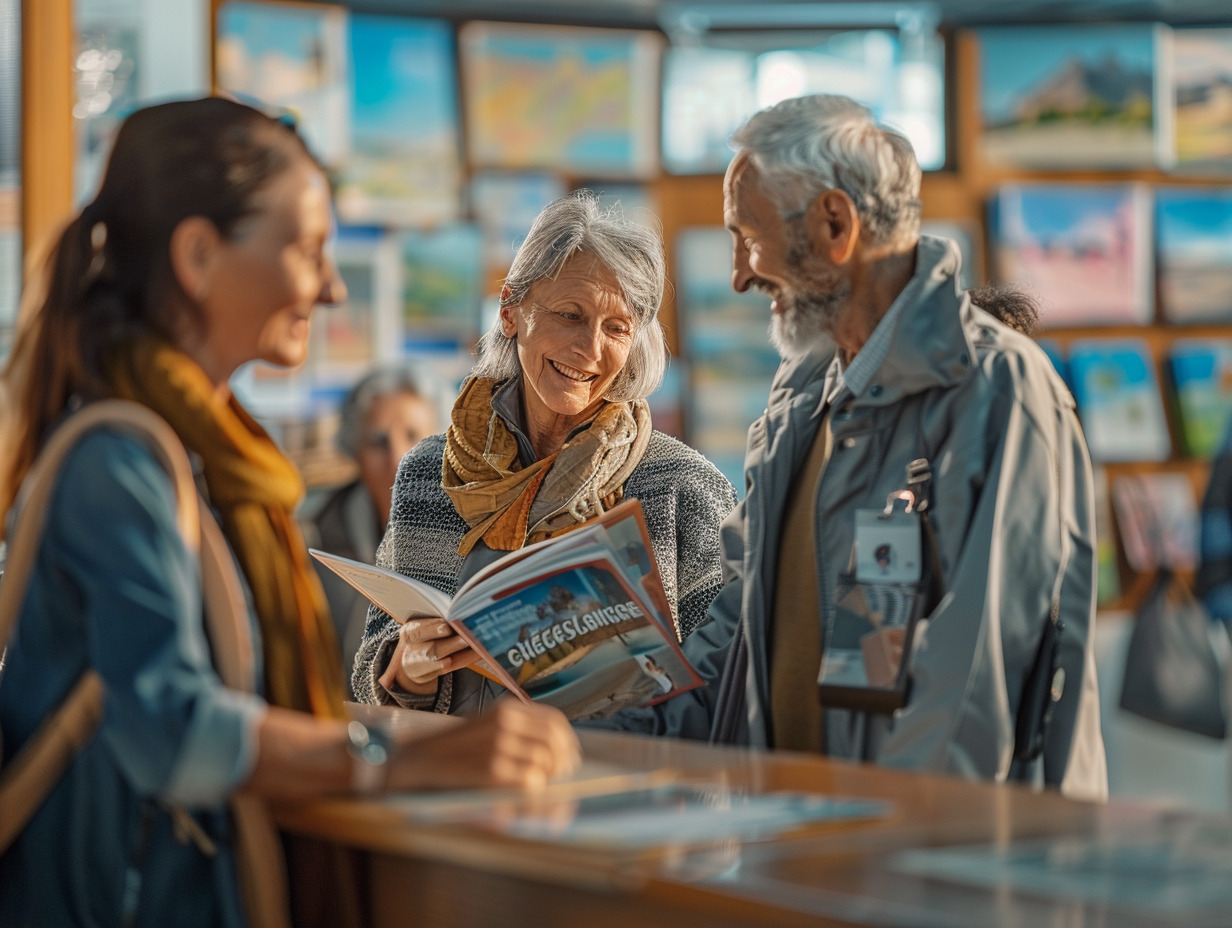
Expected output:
(26, 781)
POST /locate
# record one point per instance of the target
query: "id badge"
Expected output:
(887, 546)
(868, 635)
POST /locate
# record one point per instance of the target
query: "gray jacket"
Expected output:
(1013, 514)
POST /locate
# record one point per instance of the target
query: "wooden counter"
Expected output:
(841, 873)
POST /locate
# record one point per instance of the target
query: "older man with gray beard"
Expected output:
(887, 361)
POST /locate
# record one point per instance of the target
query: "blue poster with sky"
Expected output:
(404, 166)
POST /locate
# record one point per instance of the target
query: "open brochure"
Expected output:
(579, 621)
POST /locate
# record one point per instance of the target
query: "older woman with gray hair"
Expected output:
(551, 430)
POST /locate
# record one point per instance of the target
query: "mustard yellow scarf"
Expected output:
(255, 489)
(509, 506)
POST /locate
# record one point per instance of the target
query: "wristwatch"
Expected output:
(369, 749)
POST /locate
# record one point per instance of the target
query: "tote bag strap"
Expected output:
(26, 781)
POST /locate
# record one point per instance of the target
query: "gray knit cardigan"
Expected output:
(683, 496)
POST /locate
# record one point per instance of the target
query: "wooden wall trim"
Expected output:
(47, 138)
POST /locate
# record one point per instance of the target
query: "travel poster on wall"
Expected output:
(1202, 74)
(442, 286)
(1201, 372)
(578, 100)
(707, 92)
(1083, 249)
(506, 205)
(724, 336)
(1119, 402)
(1194, 253)
(404, 167)
(292, 56)
(1076, 96)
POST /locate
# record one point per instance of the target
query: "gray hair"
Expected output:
(383, 381)
(632, 253)
(807, 145)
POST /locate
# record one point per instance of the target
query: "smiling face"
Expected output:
(262, 283)
(573, 335)
(775, 255)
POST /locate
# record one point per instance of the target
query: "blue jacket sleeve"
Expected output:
(171, 726)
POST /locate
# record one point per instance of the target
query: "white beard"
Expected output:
(796, 330)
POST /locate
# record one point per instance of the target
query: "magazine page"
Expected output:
(400, 596)
(579, 637)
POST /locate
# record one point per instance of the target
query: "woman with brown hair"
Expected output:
(206, 248)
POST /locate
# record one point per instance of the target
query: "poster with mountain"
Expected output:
(1084, 250)
(1202, 76)
(1194, 253)
(1076, 96)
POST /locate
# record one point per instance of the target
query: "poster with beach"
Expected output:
(404, 168)
(1083, 249)
(1076, 96)
(1194, 253)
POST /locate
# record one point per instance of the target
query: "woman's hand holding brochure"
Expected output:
(427, 648)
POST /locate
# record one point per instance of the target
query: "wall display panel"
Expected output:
(292, 56)
(1083, 249)
(1201, 65)
(505, 206)
(1074, 97)
(442, 287)
(580, 101)
(404, 164)
(1194, 253)
(1201, 371)
(1119, 402)
(708, 91)
(724, 335)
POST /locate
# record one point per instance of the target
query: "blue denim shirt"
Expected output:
(115, 588)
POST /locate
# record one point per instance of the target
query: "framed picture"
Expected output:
(290, 55)
(404, 166)
(1076, 96)
(1194, 253)
(350, 338)
(1201, 65)
(1083, 249)
(1119, 402)
(708, 91)
(1201, 371)
(442, 287)
(505, 205)
(577, 100)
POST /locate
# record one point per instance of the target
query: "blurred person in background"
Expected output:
(382, 417)
(552, 429)
(205, 248)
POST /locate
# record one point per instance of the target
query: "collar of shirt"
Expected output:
(854, 379)
(507, 403)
